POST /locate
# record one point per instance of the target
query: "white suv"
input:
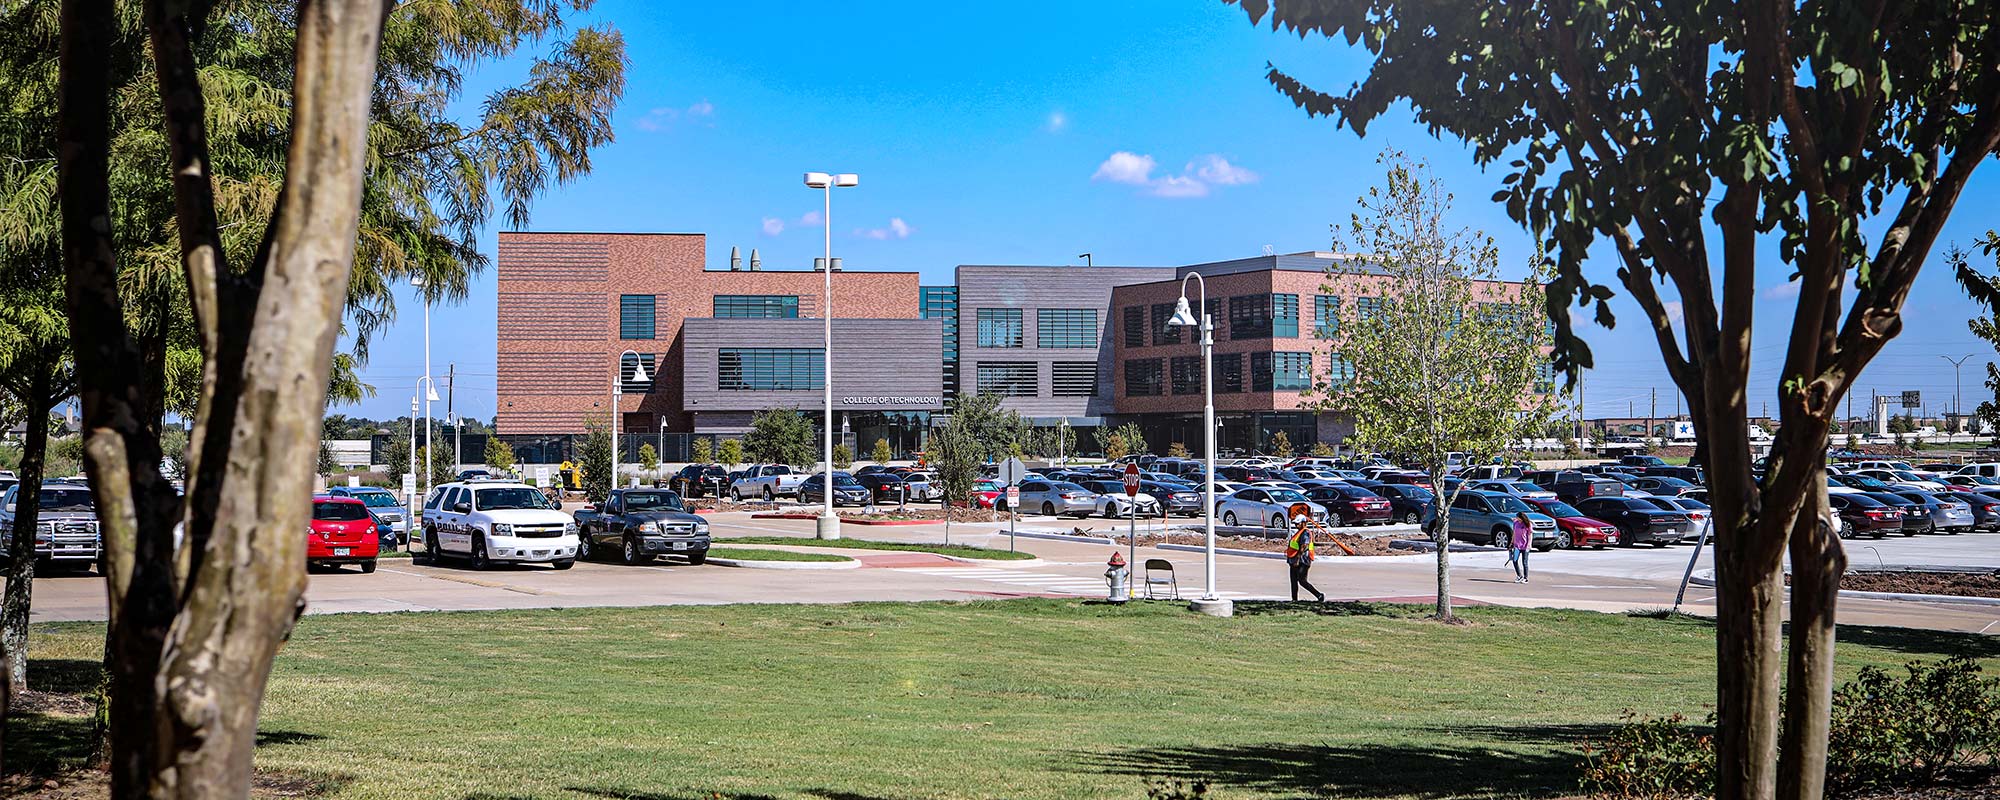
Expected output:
(489, 521)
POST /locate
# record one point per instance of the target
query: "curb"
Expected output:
(1706, 578)
(849, 520)
(749, 564)
(1056, 537)
(1220, 551)
(1428, 546)
(854, 552)
(982, 562)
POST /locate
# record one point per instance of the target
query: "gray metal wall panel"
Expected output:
(1034, 287)
(871, 358)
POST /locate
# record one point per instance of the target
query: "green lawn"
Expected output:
(960, 550)
(766, 554)
(1014, 699)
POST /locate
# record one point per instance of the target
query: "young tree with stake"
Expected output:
(1446, 363)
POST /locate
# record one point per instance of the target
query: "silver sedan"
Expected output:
(1057, 498)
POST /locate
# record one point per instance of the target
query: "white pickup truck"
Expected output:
(768, 481)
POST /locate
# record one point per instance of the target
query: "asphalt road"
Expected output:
(1612, 580)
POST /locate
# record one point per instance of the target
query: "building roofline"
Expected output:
(600, 233)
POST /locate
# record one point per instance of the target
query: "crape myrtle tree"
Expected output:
(1679, 139)
(1443, 364)
(593, 457)
(781, 436)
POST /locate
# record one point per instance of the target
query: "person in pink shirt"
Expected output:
(1517, 550)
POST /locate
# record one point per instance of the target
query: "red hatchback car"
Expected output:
(1573, 529)
(342, 532)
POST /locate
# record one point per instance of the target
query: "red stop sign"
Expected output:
(1131, 480)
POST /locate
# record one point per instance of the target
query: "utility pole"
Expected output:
(457, 425)
(1652, 412)
(1957, 414)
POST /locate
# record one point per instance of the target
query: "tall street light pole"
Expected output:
(617, 394)
(1957, 415)
(1184, 317)
(828, 526)
(427, 388)
(410, 526)
(430, 396)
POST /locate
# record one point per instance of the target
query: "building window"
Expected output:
(770, 369)
(941, 303)
(1164, 333)
(1228, 373)
(1366, 307)
(1212, 307)
(1326, 316)
(626, 374)
(635, 316)
(1285, 316)
(1339, 371)
(1073, 379)
(1545, 377)
(999, 327)
(1135, 326)
(1186, 373)
(1143, 378)
(1280, 372)
(1066, 327)
(1250, 316)
(756, 306)
(1007, 378)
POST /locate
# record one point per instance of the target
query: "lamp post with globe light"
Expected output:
(618, 393)
(1184, 316)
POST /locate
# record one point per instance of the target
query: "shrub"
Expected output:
(882, 453)
(1322, 450)
(1889, 732)
(701, 451)
(1177, 450)
(1651, 758)
(842, 457)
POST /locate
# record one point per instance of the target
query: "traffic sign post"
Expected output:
(1013, 510)
(1132, 529)
(1012, 471)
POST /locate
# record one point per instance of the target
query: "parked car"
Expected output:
(1862, 515)
(987, 494)
(1988, 469)
(1057, 498)
(1406, 478)
(769, 481)
(390, 526)
(341, 532)
(1985, 508)
(1638, 521)
(1574, 530)
(1256, 506)
(1640, 464)
(1963, 480)
(1916, 518)
(1408, 504)
(1112, 502)
(701, 480)
(1488, 517)
(1492, 472)
(1585, 487)
(1175, 498)
(492, 522)
(1948, 514)
(1521, 489)
(1697, 512)
(846, 490)
(641, 525)
(1902, 477)
(66, 532)
(1663, 486)
(1352, 505)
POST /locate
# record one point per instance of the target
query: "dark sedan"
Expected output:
(1408, 504)
(697, 480)
(1638, 521)
(1861, 515)
(884, 485)
(1985, 508)
(1175, 498)
(1663, 486)
(1916, 518)
(846, 490)
(1352, 505)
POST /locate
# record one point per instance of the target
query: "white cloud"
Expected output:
(1124, 167)
(1783, 291)
(1058, 121)
(1675, 311)
(809, 219)
(1195, 179)
(896, 229)
(663, 118)
(773, 226)
(701, 109)
(1217, 170)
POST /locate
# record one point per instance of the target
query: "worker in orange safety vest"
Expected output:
(1299, 557)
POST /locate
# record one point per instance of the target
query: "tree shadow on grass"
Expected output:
(1271, 608)
(1568, 735)
(1350, 770)
(286, 737)
(1921, 642)
(41, 744)
(626, 794)
(64, 675)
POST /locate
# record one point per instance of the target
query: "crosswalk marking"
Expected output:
(1046, 582)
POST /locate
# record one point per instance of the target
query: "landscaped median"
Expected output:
(955, 551)
(766, 558)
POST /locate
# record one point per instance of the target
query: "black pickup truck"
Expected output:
(641, 525)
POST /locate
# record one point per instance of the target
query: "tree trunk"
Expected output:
(1748, 609)
(1441, 536)
(1818, 561)
(15, 608)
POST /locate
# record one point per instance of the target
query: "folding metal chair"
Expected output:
(1171, 584)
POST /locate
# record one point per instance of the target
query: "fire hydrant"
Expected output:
(1118, 578)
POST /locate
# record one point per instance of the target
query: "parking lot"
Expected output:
(1614, 580)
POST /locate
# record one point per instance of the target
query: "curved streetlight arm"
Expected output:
(1186, 316)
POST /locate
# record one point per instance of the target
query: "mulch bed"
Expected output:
(1956, 584)
(1326, 549)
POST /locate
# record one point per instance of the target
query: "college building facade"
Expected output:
(1083, 346)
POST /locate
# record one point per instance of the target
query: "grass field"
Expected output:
(1015, 699)
(962, 551)
(767, 554)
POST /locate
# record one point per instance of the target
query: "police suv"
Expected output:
(496, 521)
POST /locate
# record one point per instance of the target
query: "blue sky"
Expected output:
(1141, 132)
